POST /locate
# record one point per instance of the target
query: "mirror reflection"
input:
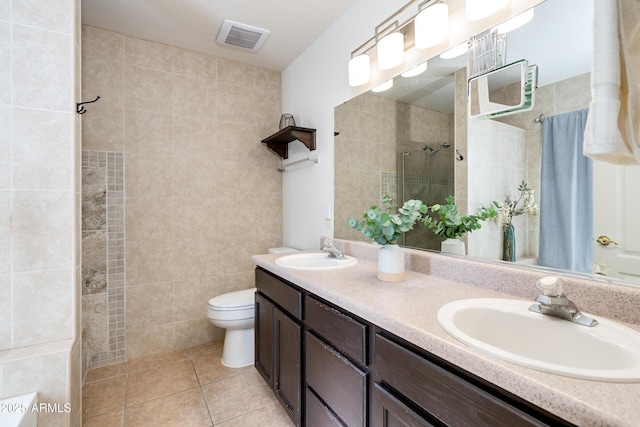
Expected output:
(423, 120)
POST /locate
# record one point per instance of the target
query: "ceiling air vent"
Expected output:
(241, 35)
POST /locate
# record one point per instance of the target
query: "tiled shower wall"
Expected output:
(103, 262)
(201, 193)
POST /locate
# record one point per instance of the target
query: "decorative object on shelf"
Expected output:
(80, 105)
(287, 120)
(509, 209)
(279, 141)
(450, 225)
(385, 225)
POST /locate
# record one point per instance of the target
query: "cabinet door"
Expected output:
(287, 377)
(264, 338)
(389, 411)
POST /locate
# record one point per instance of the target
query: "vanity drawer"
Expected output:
(345, 333)
(445, 396)
(318, 414)
(287, 297)
(337, 381)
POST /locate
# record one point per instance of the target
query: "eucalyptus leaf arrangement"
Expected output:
(384, 224)
(449, 224)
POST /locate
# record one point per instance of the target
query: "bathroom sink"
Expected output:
(314, 261)
(508, 330)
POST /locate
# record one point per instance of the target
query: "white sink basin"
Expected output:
(314, 261)
(508, 330)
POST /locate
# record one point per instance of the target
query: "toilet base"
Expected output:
(238, 349)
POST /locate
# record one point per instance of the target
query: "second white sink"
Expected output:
(314, 261)
(507, 329)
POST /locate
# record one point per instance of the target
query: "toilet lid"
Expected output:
(233, 300)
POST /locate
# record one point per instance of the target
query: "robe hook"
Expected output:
(79, 107)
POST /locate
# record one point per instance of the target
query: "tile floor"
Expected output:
(183, 388)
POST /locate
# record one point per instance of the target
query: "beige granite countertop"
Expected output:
(408, 309)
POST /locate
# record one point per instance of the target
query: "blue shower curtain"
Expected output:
(566, 194)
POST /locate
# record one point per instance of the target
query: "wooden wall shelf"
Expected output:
(279, 141)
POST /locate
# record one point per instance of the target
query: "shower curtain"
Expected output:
(566, 194)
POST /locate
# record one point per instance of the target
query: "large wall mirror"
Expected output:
(417, 141)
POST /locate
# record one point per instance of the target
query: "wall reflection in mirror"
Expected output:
(380, 149)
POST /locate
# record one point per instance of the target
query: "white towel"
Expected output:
(612, 133)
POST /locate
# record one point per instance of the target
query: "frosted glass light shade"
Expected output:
(390, 51)
(359, 70)
(480, 9)
(431, 26)
(384, 86)
(454, 52)
(415, 71)
(515, 22)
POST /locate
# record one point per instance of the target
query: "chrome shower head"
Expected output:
(434, 151)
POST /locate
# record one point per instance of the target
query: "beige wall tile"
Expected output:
(42, 69)
(196, 331)
(103, 128)
(196, 176)
(105, 78)
(48, 374)
(146, 54)
(149, 261)
(194, 257)
(42, 230)
(49, 15)
(196, 218)
(149, 175)
(193, 96)
(152, 340)
(147, 89)
(147, 132)
(95, 324)
(101, 44)
(150, 218)
(195, 136)
(195, 64)
(150, 305)
(34, 293)
(41, 158)
(236, 73)
(236, 104)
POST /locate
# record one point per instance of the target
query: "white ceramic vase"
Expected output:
(453, 246)
(391, 263)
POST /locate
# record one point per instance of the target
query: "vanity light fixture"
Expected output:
(454, 52)
(417, 70)
(390, 49)
(515, 22)
(431, 25)
(480, 9)
(359, 70)
(384, 86)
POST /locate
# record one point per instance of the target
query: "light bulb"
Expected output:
(384, 86)
(418, 69)
(454, 52)
(515, 22)
(480, 9)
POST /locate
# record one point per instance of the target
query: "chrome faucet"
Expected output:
(328, 246)
(554, 302)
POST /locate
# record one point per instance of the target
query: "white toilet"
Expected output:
(234, 311)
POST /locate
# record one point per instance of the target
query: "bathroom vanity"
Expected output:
(342, 348)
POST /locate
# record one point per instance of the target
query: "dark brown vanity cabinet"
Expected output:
(329, 368)
(278, 340)
(335, 366)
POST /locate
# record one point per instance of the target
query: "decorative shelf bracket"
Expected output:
(279, 141)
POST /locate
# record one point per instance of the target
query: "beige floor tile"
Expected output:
(112, 419)
(235, 396)
(184, 409)
(202, 349)
(167, 379)
(272, 415)
(104, 372)
(157, 360)
(104, 396)
(209, 368)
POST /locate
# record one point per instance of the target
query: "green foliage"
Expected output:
(449, 224)
(384, 225)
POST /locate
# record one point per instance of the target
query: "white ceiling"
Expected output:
(194, 24)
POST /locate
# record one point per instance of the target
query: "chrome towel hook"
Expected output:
(80, 109)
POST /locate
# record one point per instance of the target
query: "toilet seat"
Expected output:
(233, 301)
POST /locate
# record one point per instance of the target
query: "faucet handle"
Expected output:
(550, 286)
(328, 242)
